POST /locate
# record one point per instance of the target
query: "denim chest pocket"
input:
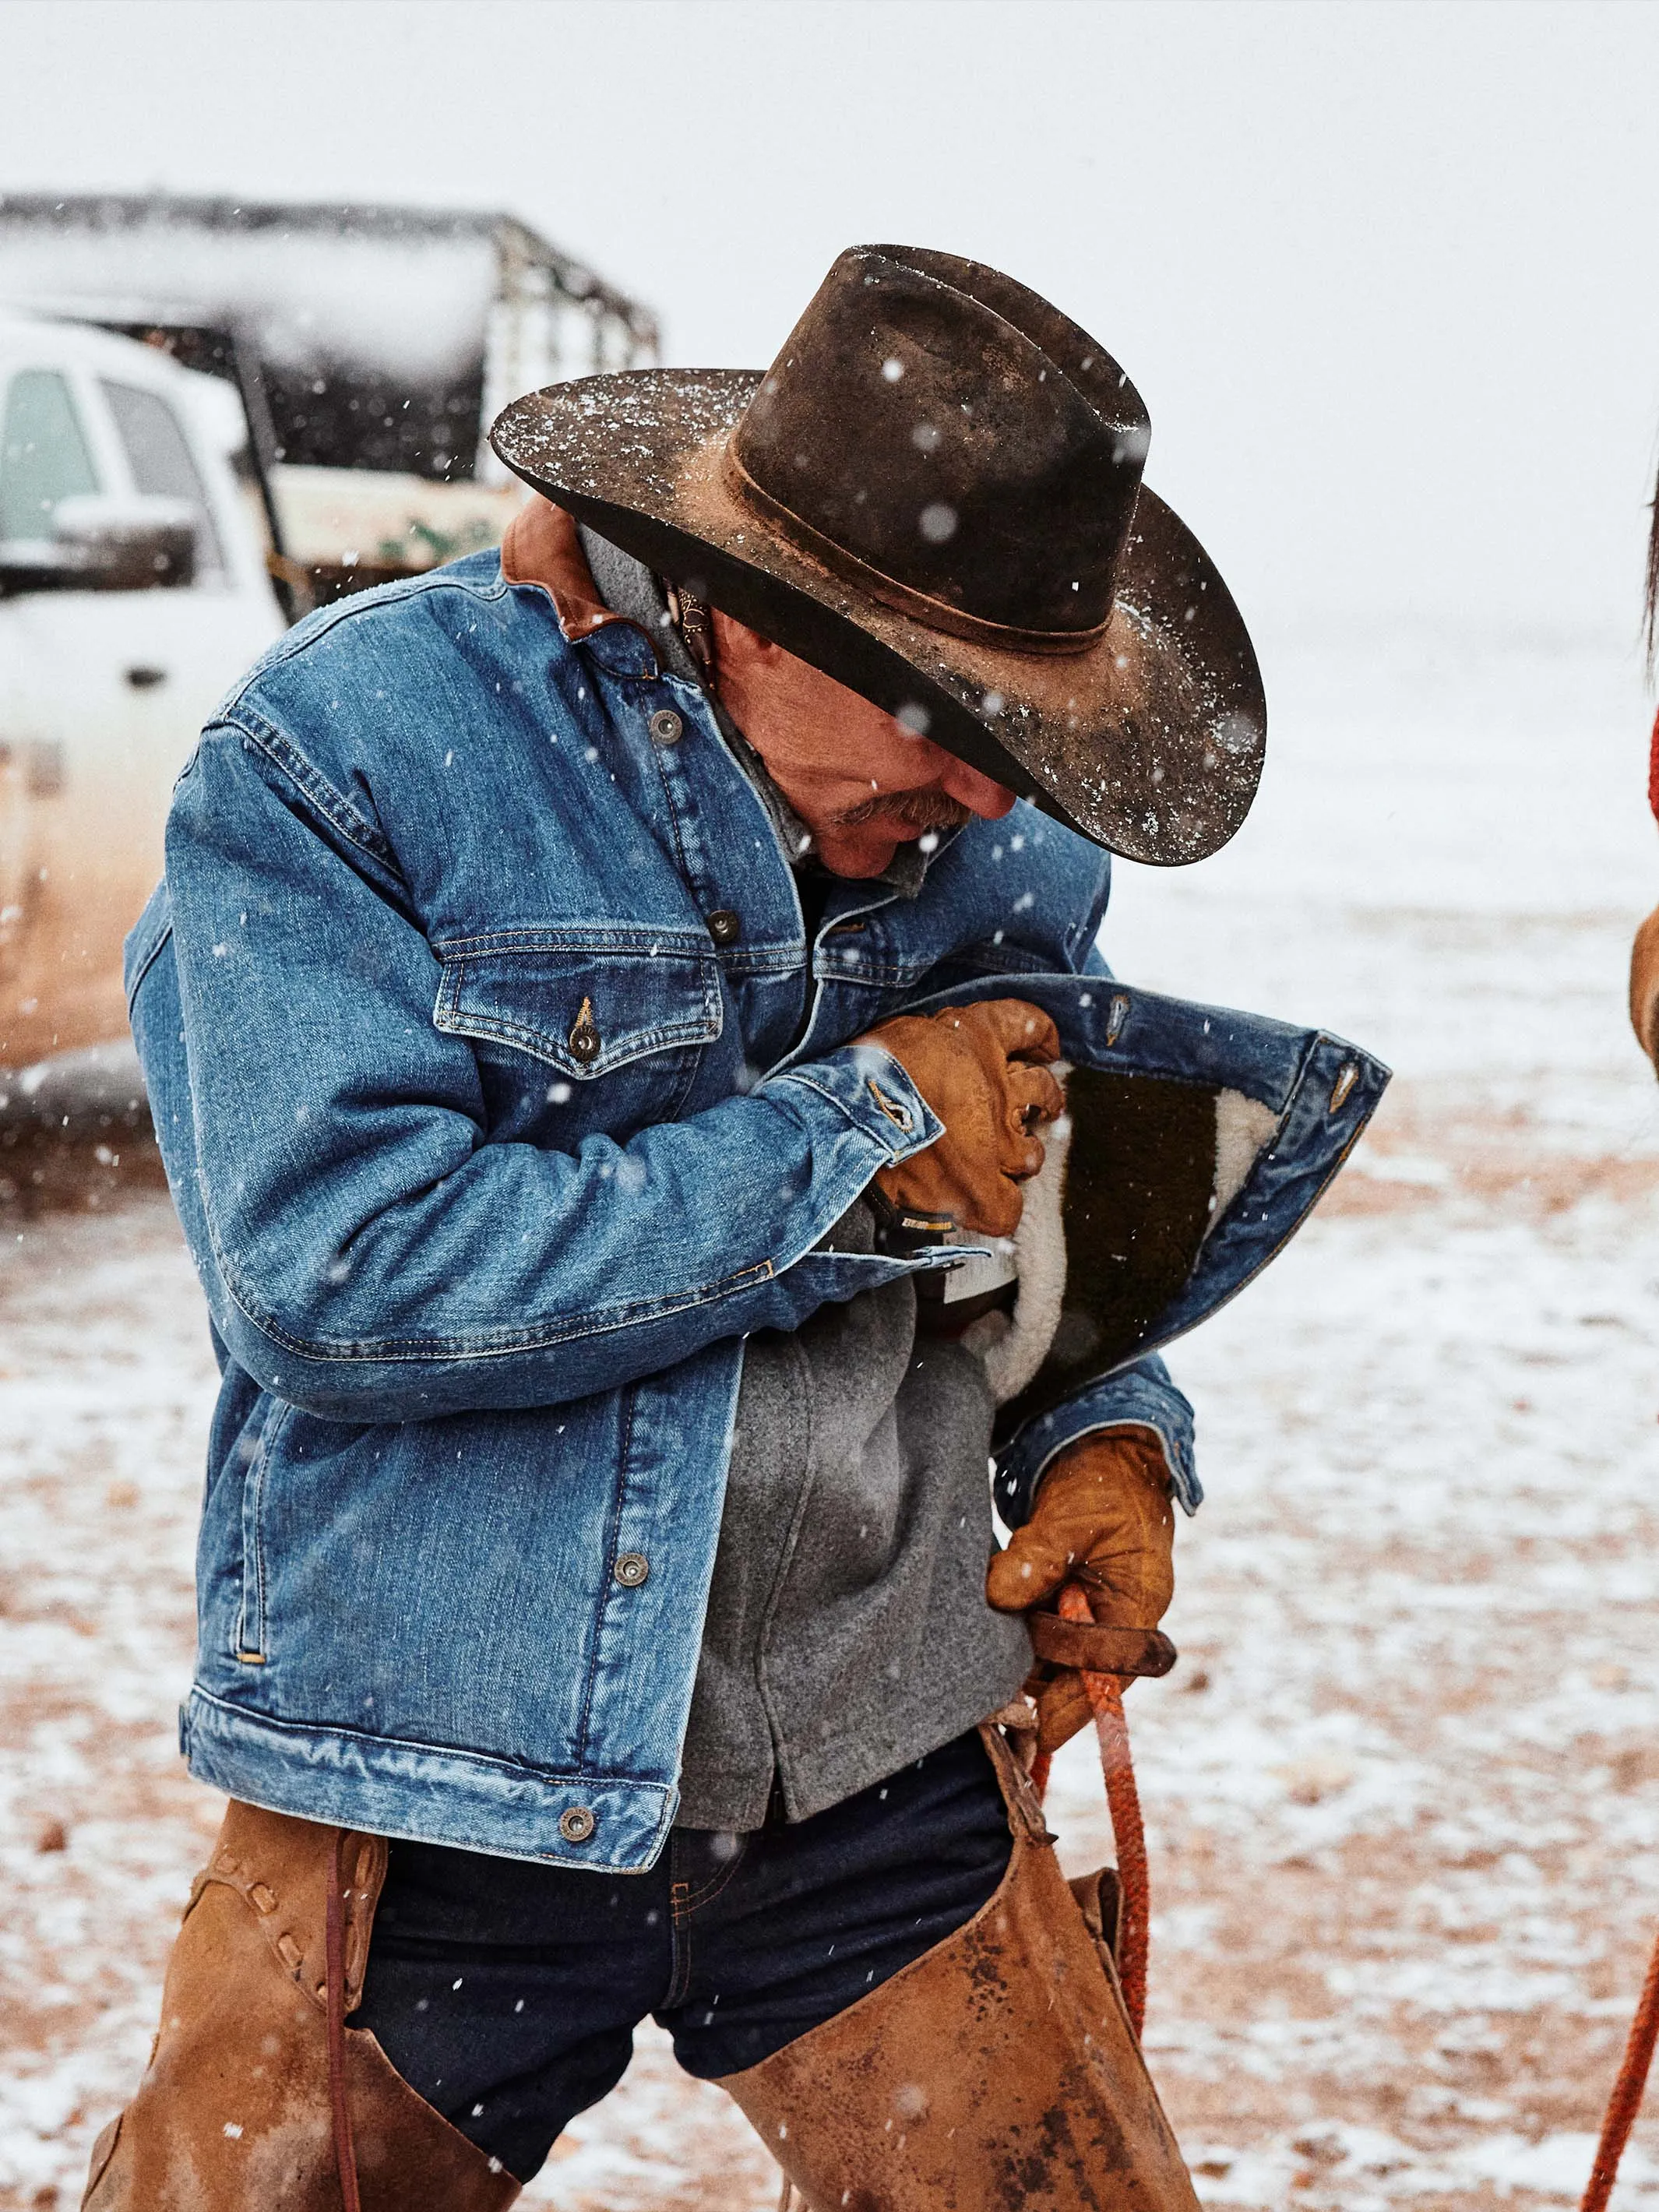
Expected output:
(621, 1008)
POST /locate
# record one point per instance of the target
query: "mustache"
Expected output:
(908, 809)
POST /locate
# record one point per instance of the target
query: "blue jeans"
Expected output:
(507, 1994)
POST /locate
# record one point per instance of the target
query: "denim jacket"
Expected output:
(500, 1099)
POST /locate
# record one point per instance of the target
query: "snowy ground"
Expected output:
(1403, 1790)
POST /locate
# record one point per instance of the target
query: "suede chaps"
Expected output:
(997, 2071)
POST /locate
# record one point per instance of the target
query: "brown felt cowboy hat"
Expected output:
(934, 495)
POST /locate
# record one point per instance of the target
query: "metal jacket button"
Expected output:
(666, 726)
(585, 1036)
(631, 1569)
(577, 1825)
(725, 926)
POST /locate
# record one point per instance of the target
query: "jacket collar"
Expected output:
(541, 546)
(545, 546)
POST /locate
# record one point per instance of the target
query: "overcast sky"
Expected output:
(1388, 276)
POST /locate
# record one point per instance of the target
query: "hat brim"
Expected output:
(1149, 742)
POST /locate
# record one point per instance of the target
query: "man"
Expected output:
(593, 1589)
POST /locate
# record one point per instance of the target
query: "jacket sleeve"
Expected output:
(1141, 1396)
(369, 1256)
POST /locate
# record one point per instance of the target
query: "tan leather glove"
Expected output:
(1102, 1518)
(981, 1068)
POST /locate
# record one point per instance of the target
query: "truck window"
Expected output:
(43, 454)
(163, 466)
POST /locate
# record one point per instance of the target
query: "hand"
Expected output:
(1102, 1518)
(981, 1068)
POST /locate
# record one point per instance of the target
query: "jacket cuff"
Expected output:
(877, 1097)
(1141, 1396)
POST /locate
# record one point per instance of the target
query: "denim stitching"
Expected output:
(608, 937)
(147, 963)
(452, 1018)
(630, 1401)
(782, 958)
(516, 1769)
(276, 1418)
(335, 809)
(803, 1075)
(886, 973)
(291, 647)
(679, 1940)
(540, 1044)
(694, 1901)
(660, 762)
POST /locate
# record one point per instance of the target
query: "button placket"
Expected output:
(716, 817)
(690, 775)
(675, 763)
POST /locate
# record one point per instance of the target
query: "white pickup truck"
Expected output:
(133, 589)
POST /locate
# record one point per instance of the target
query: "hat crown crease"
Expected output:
(944, 447)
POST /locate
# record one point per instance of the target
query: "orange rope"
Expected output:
(1106, 1701)
(1128, 1831)
(1627, 2099)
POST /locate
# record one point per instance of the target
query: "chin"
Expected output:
(859, 867)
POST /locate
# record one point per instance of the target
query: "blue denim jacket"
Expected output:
(490, 1155)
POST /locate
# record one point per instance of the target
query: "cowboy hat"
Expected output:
(934, 495)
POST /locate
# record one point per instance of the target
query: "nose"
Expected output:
(979, 794)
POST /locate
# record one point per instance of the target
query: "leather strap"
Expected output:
(274, 1862)
(1025, 1820)
(345, 2155)
(1101, 1651)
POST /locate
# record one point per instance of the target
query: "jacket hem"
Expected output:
(423, 1793)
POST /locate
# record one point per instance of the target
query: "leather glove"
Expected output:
(981, 1068)
(1102, 1518)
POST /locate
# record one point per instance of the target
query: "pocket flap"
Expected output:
(583, 1001)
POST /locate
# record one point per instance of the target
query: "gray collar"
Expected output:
(628, 588)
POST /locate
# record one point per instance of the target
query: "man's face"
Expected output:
(862, 783)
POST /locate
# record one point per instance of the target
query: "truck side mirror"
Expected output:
(105, 545)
